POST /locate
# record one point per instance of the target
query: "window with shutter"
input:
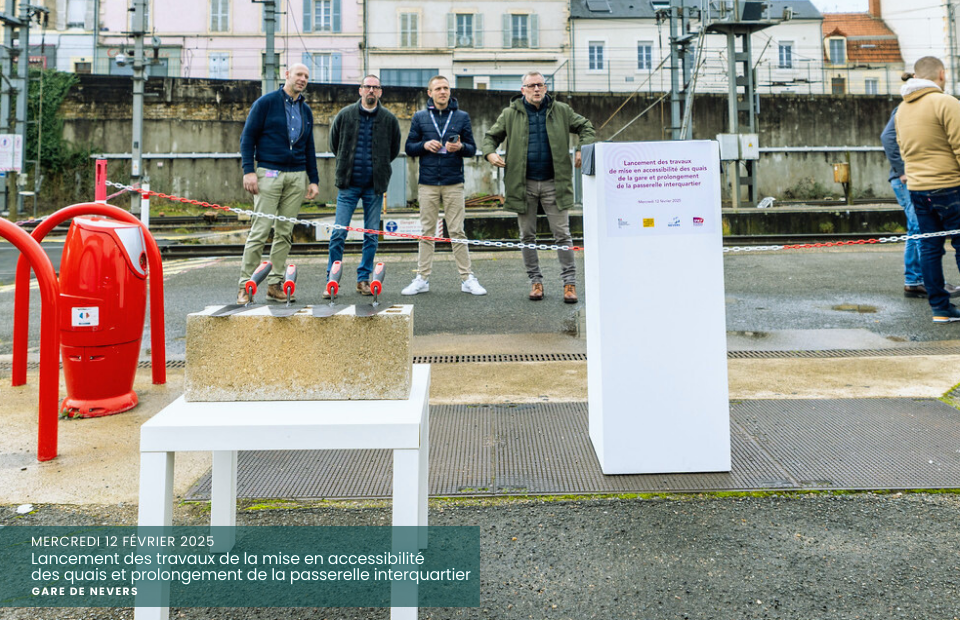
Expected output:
(409, 30)
(464, 33)
(519, 31)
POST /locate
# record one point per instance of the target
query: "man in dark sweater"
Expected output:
(365, 138)
(278, 158)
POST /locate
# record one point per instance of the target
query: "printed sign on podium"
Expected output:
(656, 326)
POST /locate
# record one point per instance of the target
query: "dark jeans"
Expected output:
(937, 210)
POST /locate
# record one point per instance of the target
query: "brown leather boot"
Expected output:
(536, 292)
(570, 294)
(364, 288)
(275, 292)
(243, 297)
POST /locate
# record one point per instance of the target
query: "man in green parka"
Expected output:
(537, 172)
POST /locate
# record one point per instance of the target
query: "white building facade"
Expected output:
(925, 28)
(484, 45)
(622, 46)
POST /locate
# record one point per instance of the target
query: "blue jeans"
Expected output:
(912, 273)
(937, 210)
(347, 200)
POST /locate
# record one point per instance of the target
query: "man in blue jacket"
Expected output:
(278, 158)
(365, 138)
(441, 137)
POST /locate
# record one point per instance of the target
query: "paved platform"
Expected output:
(535, 449)
(800, 362)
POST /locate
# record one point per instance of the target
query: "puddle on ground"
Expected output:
(751, 335)
(859, 309)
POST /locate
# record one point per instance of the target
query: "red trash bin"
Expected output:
(103, 298)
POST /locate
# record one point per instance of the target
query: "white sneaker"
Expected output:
(472, 286)
(419, 285)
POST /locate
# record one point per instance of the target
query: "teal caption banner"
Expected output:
(267, 566)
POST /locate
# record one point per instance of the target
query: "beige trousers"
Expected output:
(450, 197)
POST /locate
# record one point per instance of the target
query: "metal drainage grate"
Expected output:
(545, 448)
(500, 358)
(6, 366)
(837, 353)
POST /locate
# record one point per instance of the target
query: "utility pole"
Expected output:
(676, 8)
(139, 27)
(23, 71)
(745, 19)
(270, 62)
(682, 59)
(6, 87)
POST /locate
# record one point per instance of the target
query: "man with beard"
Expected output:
(365, 138)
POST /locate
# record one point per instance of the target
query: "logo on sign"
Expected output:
(85, 317)
(698, 221)
(674, 223)
(391, 226)
(648, 222)
(622, 222)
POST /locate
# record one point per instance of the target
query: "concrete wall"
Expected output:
(207, 116)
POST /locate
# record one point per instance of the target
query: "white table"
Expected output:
(223, 428)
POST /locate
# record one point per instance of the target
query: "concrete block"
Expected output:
(256, 356)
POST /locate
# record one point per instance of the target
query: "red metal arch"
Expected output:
(21, 308)
(32, 255)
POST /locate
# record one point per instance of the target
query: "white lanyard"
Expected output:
(445, 125)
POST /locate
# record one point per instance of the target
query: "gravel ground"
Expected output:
(811, 556)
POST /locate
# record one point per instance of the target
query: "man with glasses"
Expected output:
(539, 174)
(278, 158)
(365, 138)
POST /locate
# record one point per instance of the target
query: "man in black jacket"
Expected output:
(278, 157)
(365, 138)
(441, 137)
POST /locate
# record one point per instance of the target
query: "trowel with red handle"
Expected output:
(250, 286)
(376, 287)
(289, 287)
(332, 288)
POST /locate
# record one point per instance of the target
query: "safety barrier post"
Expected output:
(32, 255)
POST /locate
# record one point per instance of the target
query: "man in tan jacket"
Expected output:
(928, 131)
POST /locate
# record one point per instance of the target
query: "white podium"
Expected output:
(656, 326)
(223, 428)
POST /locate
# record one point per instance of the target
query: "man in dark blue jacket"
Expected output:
(365, 138)
(278, 158)
(441, 137)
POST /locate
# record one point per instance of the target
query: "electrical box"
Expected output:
(749, 146)
(729, 146)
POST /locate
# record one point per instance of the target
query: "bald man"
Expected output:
(278, 158)
(928, 132)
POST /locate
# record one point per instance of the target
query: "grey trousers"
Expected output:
(544, 193)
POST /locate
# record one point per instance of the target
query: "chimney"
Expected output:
(875, 9)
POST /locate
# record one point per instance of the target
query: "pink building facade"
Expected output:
(224, 39)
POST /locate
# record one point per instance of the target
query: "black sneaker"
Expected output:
(950, 315)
